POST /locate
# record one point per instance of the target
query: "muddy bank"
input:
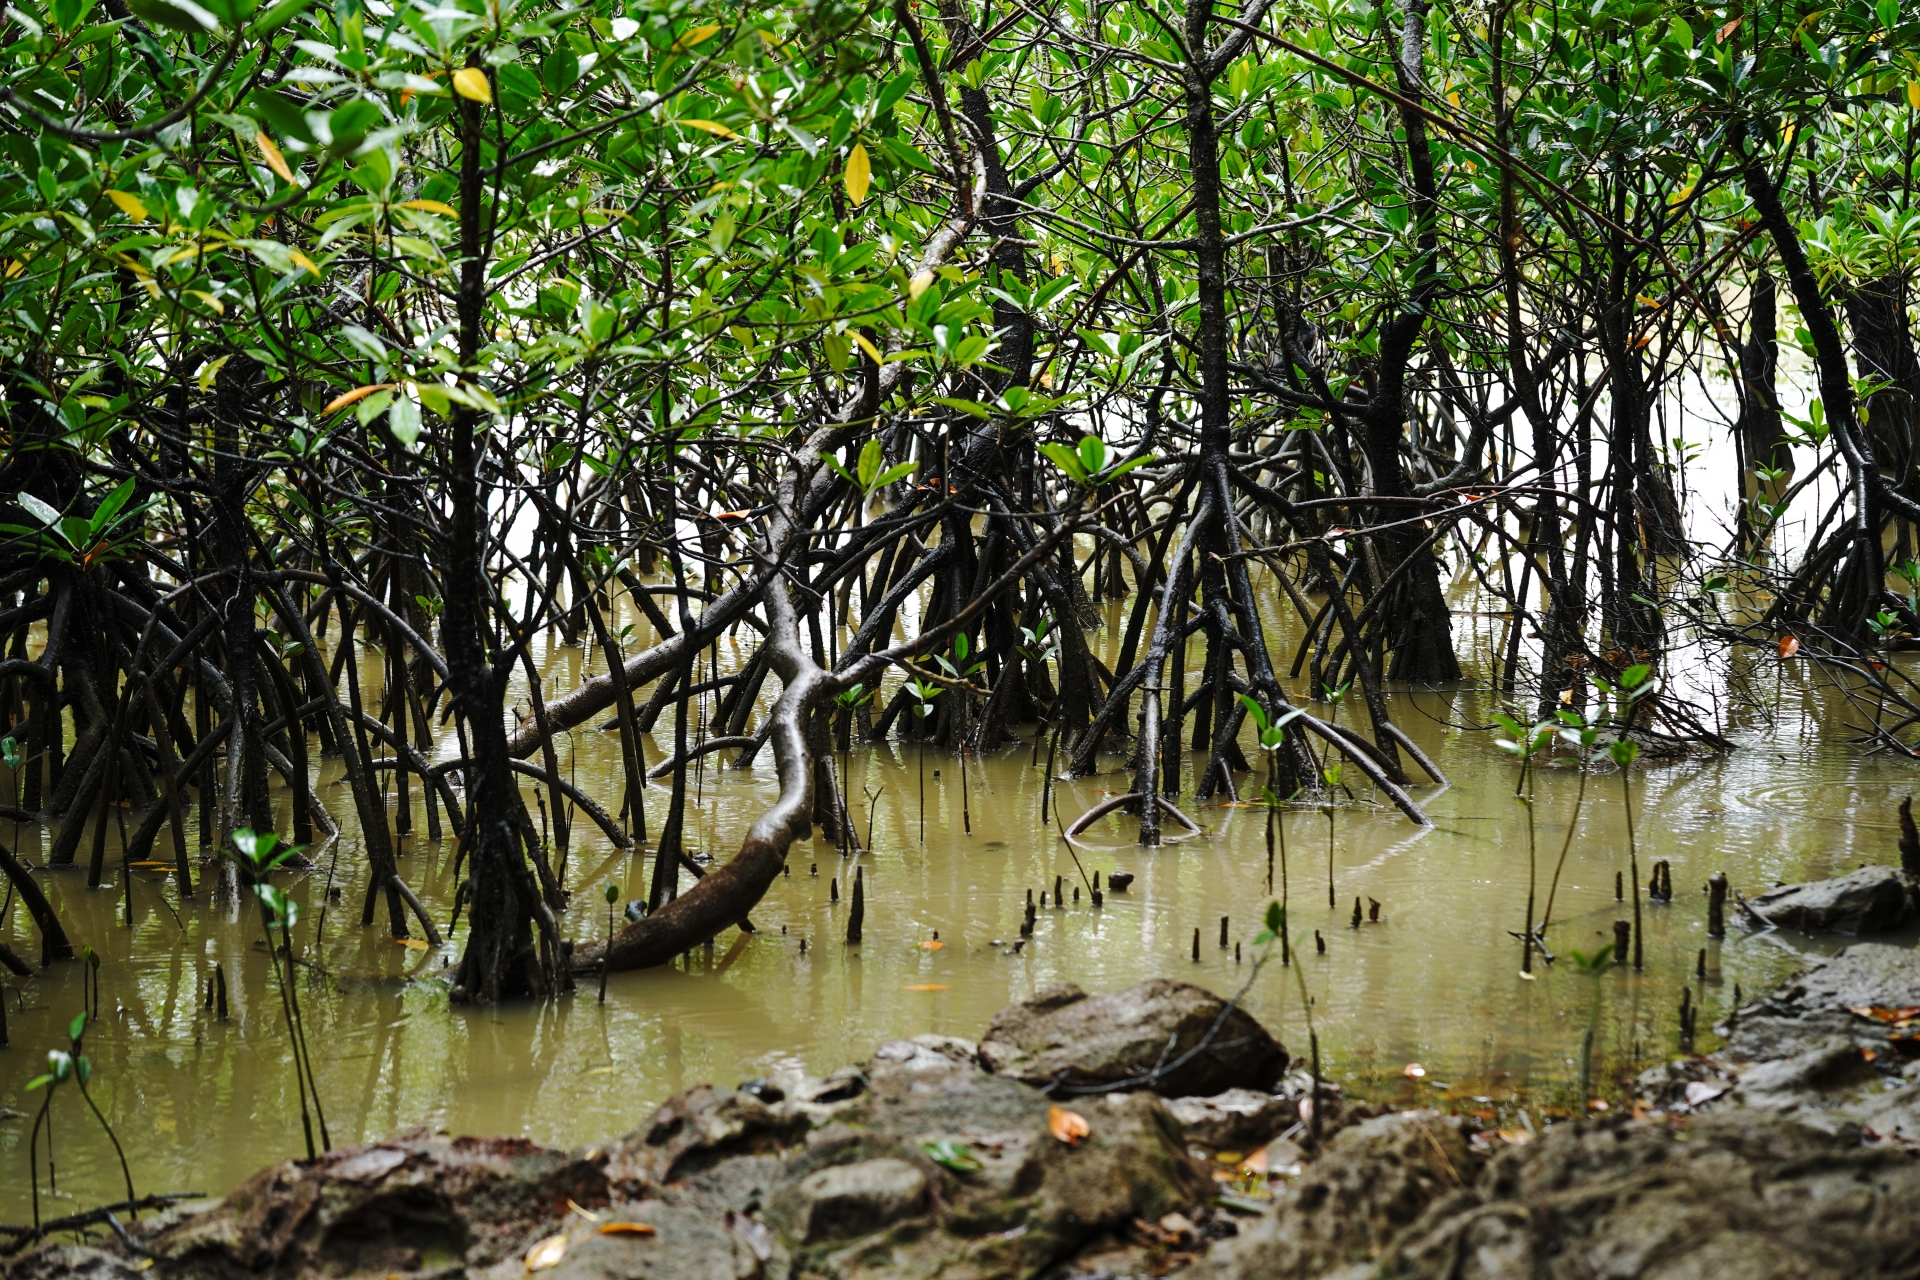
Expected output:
(1792, 1152)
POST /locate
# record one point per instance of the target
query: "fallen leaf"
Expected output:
(928, 986)
(1516, 1137)
(547, 1253)
(948, 1154)
(935, 945)
(627, 1229)
(1875, 1012)
(1413, 1071)
(1068, 1126)
(1789, 645)
(412, 944)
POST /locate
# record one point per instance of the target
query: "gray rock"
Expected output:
(1145, 1036)
(1239, 1119)
(849, 1200)
(1870, 900)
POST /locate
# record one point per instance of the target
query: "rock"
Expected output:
(696, 1130)
(423, 1202)
(1870, 900)
(1372, 1182)
(1030, 1203)
(851, 1200)
(1239, 1119)
(1142, 1037)
(688, 1244)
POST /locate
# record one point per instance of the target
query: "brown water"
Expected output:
(200, 1104)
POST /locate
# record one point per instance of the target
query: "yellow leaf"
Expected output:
(859, 173)
(547, 1253)
(431, 206)
(627, 1229)
(695, 36)
(471, 82)
(1068, 1126)
(928, 986)
(14, 267)
(920, 283)
(275, 161)
(302, 260)
(1913, 94)
(130, 204)
(356, 395)
(713, 127)
(219, 308)
(873, 352)
(207, 374)
(412, 944)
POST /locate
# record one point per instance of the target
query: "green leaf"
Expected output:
(77, 1027)
(1276, 917)
(955, 1156)
(1067, 460)
(1093, 454)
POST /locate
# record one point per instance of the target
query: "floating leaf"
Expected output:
(859, 175)
(935, 945)
(471, 83)
(627, 1229)
(412, 944)
(928, 986)
(547, 1253)
(1068, 1126)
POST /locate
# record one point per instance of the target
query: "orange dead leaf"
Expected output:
(356, 395)
(1068, 1126)
(935, 945)
(1789, 645)
(271, 154)
(1728, 29)
(627, 1229)
(928, 986)
(731, 515)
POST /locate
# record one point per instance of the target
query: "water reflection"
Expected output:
(200, 1103)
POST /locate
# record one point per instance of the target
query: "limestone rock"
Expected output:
(1121, 1037)
(1870, 900)
(1239, 1119)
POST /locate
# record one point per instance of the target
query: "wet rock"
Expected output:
(1003, 1196)
(845, 1201)
(687, 1244)
(421, 1203)
(696, 1131)
(1239, 1119)
(1870, 900)
(1372, 1182)
(1146, 1036)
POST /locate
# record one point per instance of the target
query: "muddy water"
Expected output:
(200, 1103)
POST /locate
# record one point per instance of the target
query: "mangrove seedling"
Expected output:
(260, 853)
(62, 1066)
(1524, 743)
(924, 692)
(1593, 966)
(1272, 736)
(1633, 686)
(1577, 733)
(960, 668)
